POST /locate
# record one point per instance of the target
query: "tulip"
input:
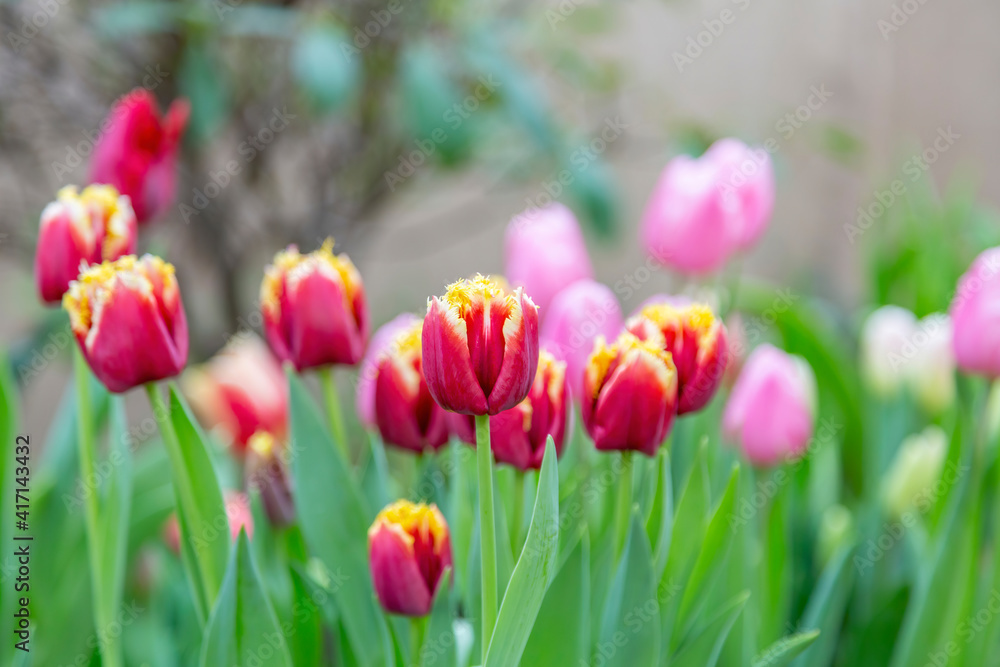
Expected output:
(480, 347)
(771, 409)
(544, 253)
(695, 339)
(242, 390)
(975, 317)
(267, 473)
(909, 483)
(518, 435)
(746, 176)
(137, 153)
(409, 549)
(88, 227)
(383, 337)
(931, 372)
(405, 412)
(577, 316)
(702, 210)
(629, 394)
(884, 338)
(129, 321)
(314, 308)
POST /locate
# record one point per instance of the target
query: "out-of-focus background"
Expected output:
(413, 130)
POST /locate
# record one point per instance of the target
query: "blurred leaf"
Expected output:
(714, 550)
(202, 80)
(631, 619)
(438, 115)
(243, 630)
(323, 64)
(783, 651)
(659, 524)
(321, 481)
(561, 634)
(201, 510)
(259, 21)
(126, 19)
(306, 638)
(593, 192)
(825, 610)
(705, 645)
(439, 648)
(534, 570)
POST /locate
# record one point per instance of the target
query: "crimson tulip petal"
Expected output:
(447, 362)
(520, 356)
(399, 583)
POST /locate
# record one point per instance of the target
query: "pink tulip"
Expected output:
(544, 252)
(137, 153)
(577, 316)
(975, 316)
(242, 390)
(771, 409)
(747, 176)
(704, 209)
(383, 337)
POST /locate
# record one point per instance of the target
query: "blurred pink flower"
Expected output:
(771, 409)
(137, 153)
(702, 210)
(383, 337)
(975, 316)
(544, 252)
(577, 316)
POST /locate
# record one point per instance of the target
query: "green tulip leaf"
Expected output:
(561, 634)
(783, 651)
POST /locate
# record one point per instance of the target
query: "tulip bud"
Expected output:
(405, 412)
(909, 483)
(836, 528)
(365, 391)
(518, 435)
(771, 408)
(137, 153)
(480, 347)
(931, 372)
(242, 390)
(884, 337)
(696, 340)
(544, 252)
(975, 317)
(314, 308)
(90, 227)
(129, 321)
(629, 393)
(747, 178)
(408, 550)
(267, 473)
(577, 316)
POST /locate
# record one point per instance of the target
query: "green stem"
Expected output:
(111, 648)
(329, 384)
(624, 501)
(518, 517)
(210, 580)
(487, 529)
(418, 630)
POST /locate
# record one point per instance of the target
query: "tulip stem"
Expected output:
(487, 528)
(624, 500)
(332, 399)
(111, 648)
(418, 629)
(518, 518)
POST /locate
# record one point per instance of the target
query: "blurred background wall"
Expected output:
(851, 91)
